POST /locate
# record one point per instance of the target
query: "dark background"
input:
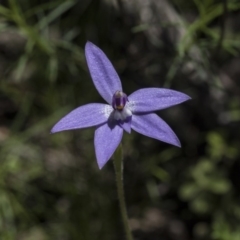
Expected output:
(50, 185)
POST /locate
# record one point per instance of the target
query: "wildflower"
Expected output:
(121, 112)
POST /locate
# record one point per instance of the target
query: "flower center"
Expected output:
(121, 111)
(119, 100)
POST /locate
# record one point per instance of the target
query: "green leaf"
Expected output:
(56, 13)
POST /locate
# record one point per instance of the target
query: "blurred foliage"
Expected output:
(50, 186)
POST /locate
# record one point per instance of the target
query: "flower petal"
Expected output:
(153, 126)
(152, 99)
(104, 76)
(85, 116)
(106, 140)
(126, 125)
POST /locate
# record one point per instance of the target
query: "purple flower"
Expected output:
(121, 112)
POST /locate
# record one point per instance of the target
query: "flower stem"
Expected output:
(118, 166)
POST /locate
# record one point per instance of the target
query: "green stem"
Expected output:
(118, 166)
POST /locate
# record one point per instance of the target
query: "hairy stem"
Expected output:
(118, 166)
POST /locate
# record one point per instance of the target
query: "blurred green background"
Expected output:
(50, 186)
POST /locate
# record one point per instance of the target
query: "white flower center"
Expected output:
(123, 114)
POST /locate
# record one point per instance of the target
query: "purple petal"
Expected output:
(106, 140)
(153, 126)
(104, 76)
(126, 125)
(152, 99)
(85, 116)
